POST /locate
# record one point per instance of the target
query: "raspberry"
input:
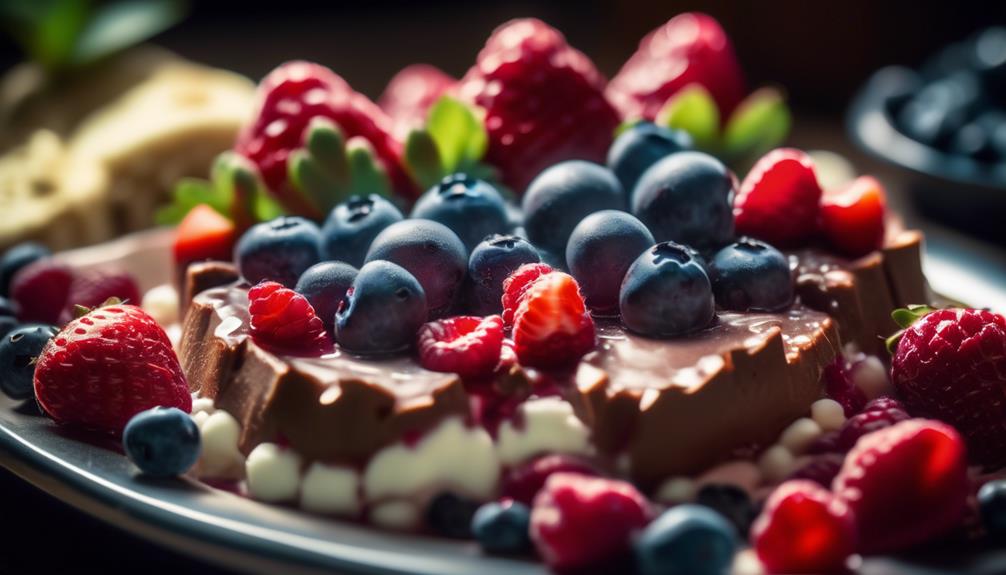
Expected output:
(552, 327)
(107, 366)
(41, 290)
(905, 484)
(91, 288)
(524, 482)
(838, 385)
(779, 199)
(469, 346)
(820, 469)
(282, 318)
(580, 521)
(544, 101)
(878, 414)
(951, 365)
(804, 529)
(410, 94)
(825, 443)
(516, 285)
(852, 218)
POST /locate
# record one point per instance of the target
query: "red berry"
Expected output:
(469, 346)
(878, 414)
(820, 469)
(905, 484)
(91, 288)
(524, 482)
(411, 93)
(204, 234)
(827, 442)
(544, 101)
(690, 48)
(107, 366)
(281, 317)
(578, 521)
(951, 365)
(516, 285)
(779, 199)
(838, 385)
(552, 327)
(41, 290)
(804, 529)
(852, 218)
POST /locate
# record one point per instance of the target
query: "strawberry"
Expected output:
(552, 327)
(282, 318)
(469, 346)
(41, 289)
(544, 101)
(690, 48)
(516, 285)
(905, 484)
(779, 199)
(951, 365)
(107, 366)
(204, 234)
(411, 93)
(91, 288)
(852, 218)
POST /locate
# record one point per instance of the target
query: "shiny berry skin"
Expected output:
(780, 198)
(852, 219)
(517, 284)
(827, 442)
(750, 275)
(491, 263)
(467, 345)
(951, 365)
(282, 318)
(502, 527)
(578, 521)
(552, 327)
(353, 225)
(691, 539)
(279, 250)
(471, 208)
(410, 93)
(544, 101)
(18, 352)
(162, 441)
(838, 385)
(107, 366)
(93, 287)
(686, 198)
(666, 293)
(324, 285)
(16, 258)
(204, 234)
(564, 194)
(641, 146)
(905, 484)
(804, 529)
(41, 290)
(600, 250)
(821, 469)
(992, 506)
(524, 482)
(432, 253)
(382, 311)
(731, 502)
(451, 515)
(877, 414)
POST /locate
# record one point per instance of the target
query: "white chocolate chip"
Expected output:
(870, 376)
(161, 303)
(676, 490)
(800, 434)
(330, 489)
(776, 463)
(200, 418)
(273, 473)
(220, 457)
(746, 562)
(397, 514)
(548, 426)
(202, 404)
(828, 413)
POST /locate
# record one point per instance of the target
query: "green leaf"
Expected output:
(47, 29)
(759, 124)
(626, 125)
(189, 193)
(458, 132)
(118, 25)
(327, 146)
(423, 159)
(368, 177)
(693, 110)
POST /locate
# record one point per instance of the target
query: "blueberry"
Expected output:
(750, 275)
(18, 351)
(382, 311)
(324, 285)
(279, 250)
(730, 501)
(471, 208)
(16, 258)
(687, 539)
(353, 224)
(451, 515)
(503, 527)
(162, 441)
(563, 195)
(432, 253)
(600, 251)
(641, 146)
(666, 293)
(687, 198)
(491, 262)
(8, 316)
(992, 506)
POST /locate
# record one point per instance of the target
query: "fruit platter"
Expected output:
(528, 320)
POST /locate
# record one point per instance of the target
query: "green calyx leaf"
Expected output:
(905, 317)
(626, 125)
(760, 123)
(458, 133)
(367, 176)
(693, 110)
(423, 159)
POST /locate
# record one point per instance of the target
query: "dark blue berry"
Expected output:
(382, 311)
(432, 253)
(641, 146)
(992, 506)
(688, 539)
(162, 441)
(503, 527)
(563, 195)
(666, 293)
(324, 285)
(470, 207)
(16, 258)
(279, 250)
(491, 262)
(935, 114)
(687, 198)
(18, 351)
(751, 275)
(451, 515)
(731, 502)
(600, 251)
(353, 224)
(8, 316)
